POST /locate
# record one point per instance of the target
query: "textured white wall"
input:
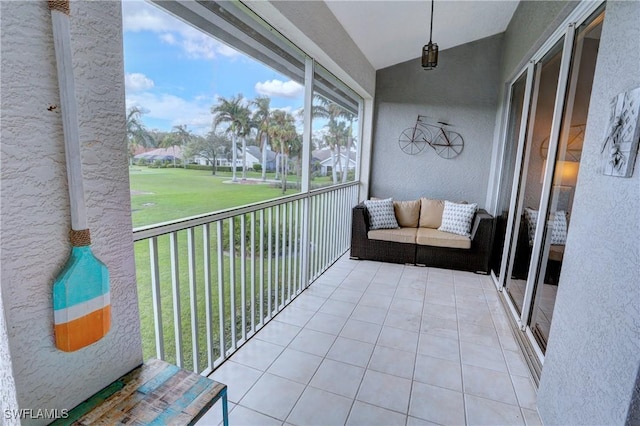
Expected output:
(593, 356)
(34, 198)
(8, 399)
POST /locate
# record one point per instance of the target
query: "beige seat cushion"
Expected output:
(433, 237)
(398, 235)
(407, 213)
(431, 213)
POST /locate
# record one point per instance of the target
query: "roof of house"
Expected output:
(325, 153)
(255, 151)
(174, 151)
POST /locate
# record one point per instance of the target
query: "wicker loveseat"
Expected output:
(424, 244)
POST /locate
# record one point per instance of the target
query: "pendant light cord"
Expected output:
(431, 27)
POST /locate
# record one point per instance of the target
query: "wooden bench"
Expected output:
(155, 393)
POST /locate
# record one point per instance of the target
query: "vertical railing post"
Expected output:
(283, 250)
(277, 265)
(305, 246)
(269, 260)
(232, 282)
(243, 276)
(175, 288)
(221, 297)
(296, 244)
(253, 272)
(290, 242)
(191, 256)
(155, 295)
(325, 230)
(262, 266)
(206, 257)
(315, 220)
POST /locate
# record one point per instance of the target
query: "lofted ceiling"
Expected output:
(391, 31)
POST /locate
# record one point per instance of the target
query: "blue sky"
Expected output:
(175, 73)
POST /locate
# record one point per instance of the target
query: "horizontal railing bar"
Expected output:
(144, 232)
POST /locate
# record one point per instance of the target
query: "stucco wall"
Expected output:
(593, 356)
(34, 198)
(461, 91)
(8, 399)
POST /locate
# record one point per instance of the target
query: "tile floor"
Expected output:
(371, 343)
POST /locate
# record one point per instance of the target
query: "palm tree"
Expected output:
(234, 112)
(260, 118)
(182, 136)
(137, 133)
(282, 131)
(349, 144)
(324, 108)
(337, 133)
(170, 140)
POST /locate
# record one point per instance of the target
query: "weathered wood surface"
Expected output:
(154, 393)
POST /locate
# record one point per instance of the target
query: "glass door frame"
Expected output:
(567, 30)
(519, 147)
(522, 131)
(554, 138)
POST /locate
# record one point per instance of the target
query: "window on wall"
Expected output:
(215, 102)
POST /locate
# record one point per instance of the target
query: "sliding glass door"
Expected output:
(518, 111)
(548, 107)
(563, 178)
(528, 193)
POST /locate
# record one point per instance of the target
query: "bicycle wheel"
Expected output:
(412, 141)
(448, 144)
(573, 151)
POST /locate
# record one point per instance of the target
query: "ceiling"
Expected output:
(390, 31)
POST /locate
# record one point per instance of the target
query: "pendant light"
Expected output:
(430, 50)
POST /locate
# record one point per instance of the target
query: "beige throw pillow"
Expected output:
(407, 213)
(431, 213)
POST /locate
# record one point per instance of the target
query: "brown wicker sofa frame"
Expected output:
(475, 259)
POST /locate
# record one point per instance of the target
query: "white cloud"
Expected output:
(136, 82)
(138, 15)
(196, 113)
(168, 38)
(141, 16)
(285, 89)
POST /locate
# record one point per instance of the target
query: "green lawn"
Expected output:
(160, 195)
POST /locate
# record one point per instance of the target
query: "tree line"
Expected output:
(237, 120)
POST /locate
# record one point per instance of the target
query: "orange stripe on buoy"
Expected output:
(83, 331)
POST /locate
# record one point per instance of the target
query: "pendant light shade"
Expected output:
(430, 50)
(430, 56)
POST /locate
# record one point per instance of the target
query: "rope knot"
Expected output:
(80, 238)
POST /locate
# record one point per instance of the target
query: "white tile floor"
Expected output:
(373, 343)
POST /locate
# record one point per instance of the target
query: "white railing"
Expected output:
(206, 284)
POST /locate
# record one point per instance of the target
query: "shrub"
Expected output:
(257, 167)
(228, 169)
(199, 167)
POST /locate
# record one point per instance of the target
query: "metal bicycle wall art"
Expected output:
(446, 143)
